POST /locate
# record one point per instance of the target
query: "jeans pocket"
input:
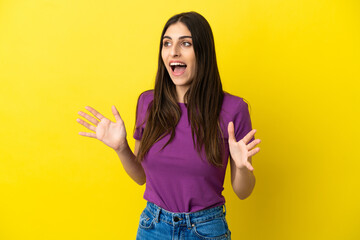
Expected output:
(215, 229)
(146, 220)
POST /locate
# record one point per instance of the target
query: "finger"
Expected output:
(248, 136)
(231, 132)
(253, 144)
(87, 134)
(88, 117)
(87, 125)
(94, 112)
(253, 152)
(249, 166)
(116, 114)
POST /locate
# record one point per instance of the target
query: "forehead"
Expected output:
(177, 30)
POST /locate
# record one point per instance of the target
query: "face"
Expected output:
(178, 55)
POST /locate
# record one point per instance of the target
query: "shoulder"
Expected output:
(234, 108)
(233, 104)
(146, 97)
(144, 101)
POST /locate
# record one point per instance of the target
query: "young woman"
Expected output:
(185, 131)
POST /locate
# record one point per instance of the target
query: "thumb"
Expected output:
(231, 132)
(116, 114)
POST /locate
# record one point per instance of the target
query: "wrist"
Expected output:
(122, 146)
(243, 169)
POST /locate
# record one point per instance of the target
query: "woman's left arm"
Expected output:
(242, 176)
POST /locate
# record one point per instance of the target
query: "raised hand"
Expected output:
(241, 151)
(113, 134)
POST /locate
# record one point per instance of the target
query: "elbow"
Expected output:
(244, 193)
(141, 181)
(243, 196)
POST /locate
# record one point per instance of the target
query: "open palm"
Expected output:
(113, 134)
(242, 151)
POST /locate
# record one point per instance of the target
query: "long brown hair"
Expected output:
(204, 97)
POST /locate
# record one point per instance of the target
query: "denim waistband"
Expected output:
(185, 219)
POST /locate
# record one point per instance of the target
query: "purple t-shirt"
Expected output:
(177, 179)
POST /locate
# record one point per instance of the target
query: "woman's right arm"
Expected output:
(113, 134)
(132, 167)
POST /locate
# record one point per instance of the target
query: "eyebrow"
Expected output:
(182, 37)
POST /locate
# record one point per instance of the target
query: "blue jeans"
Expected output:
(157, 223)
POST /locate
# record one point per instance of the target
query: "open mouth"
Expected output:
(178, 68)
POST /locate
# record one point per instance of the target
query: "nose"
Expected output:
(175, 51)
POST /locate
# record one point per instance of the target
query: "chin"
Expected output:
(181, 82)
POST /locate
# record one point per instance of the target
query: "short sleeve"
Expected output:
(242, 121)
(141, 113)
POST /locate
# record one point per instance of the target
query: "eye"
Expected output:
(186, 44)
(166, 43)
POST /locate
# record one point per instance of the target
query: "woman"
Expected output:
(186, 128)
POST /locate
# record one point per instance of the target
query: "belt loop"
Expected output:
(188, 223)
(157, 214)
(224, 210)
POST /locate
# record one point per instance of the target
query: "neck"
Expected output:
(180, 91)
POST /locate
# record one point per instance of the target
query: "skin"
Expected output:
(241, 152)
(177, 45)
(113, 134)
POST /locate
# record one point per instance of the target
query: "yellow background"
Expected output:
(295, 61)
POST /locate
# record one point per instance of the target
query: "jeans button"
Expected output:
(176, 219)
